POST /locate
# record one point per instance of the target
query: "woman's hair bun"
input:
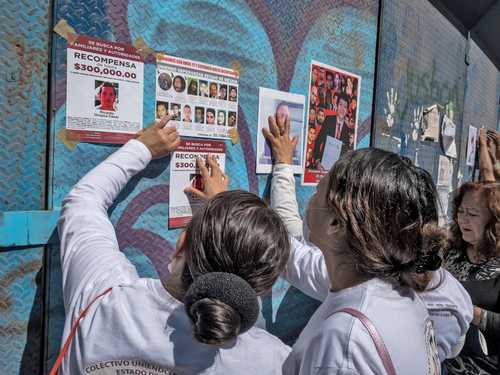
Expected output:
(434, 242)
(220, 305)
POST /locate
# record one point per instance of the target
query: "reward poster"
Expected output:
(202, 98)
(184, 172)
(332, 119)
(104, 91)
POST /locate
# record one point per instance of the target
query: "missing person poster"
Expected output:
(471, 146)
(333, 112)
(281, 105)
(184, 172)
(104, 91)
(202, 98)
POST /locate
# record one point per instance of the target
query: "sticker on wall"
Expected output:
(104, 93)
(332, 112)
(281, 105)
(184, 173)
(448, 137)
(430, 124)
(203, 98)
(471, 146)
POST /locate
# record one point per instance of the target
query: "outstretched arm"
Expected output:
(489, 155)
(90, 256)
(306, 268)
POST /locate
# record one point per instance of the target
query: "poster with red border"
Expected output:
(332, 118)
(104, 91)
(184, 172)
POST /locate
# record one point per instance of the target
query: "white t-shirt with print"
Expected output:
(137, 328)
(340, 344)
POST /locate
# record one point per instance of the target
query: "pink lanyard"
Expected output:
(72, 333)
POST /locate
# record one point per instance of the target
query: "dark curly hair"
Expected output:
(490, 191)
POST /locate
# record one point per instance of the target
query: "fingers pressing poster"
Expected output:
(332, 112)
(104, 91)
(281, 106)
(202, 98)
(184, 172)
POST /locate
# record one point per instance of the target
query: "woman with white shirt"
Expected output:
(373, 219)
(198, 321)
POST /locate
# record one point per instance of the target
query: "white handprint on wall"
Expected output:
(415, 124)
(390, 111)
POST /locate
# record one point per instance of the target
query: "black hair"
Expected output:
(343, 96)
(389, 210)
(235, 233)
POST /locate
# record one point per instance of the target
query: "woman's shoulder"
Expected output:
(264, 338)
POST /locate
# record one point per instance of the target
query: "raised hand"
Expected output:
(214, 180)
(282, 145)
(159, 138)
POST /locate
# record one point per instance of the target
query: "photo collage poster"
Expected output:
(332, 119)
(202, 98)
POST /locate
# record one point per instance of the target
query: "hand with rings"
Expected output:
(214, 180)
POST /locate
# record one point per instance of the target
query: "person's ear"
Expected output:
(334, 228)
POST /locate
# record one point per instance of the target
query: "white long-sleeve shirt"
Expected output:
(448, 304)
(138, 327)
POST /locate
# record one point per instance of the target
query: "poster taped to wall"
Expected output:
(445, 171)
(430, 124)
(471, 146)
(281, 105)
(443, 196)
(104, 91)
(332, 112)
(203, 98)
(448, 137)
(184, 172)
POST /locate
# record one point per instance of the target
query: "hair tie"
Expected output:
(427, 262)
(229, 289)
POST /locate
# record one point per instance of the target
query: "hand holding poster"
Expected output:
(333, 112)
(184, 172)
(104, 91)
(202, 98)
(281, 105)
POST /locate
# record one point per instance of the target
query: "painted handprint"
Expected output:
(390, 111)
(416, 122)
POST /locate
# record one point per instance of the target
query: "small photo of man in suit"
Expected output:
(334, 126)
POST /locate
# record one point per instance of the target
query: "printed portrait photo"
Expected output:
(106, 96)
